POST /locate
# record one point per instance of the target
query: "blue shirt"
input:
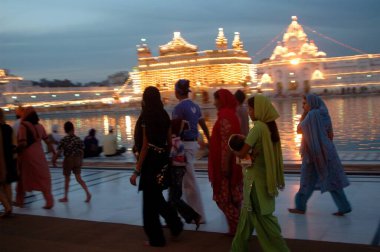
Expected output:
(191, 112)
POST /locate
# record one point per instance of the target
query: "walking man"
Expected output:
(189, 111)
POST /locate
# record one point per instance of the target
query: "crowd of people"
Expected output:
(23, 157)
(165, 148)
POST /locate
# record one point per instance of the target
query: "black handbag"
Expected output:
(163, 177)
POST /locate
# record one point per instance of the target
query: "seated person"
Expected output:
(110, 147)
(91, 145)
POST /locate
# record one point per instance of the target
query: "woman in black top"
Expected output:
(153, 142)
(8, 171)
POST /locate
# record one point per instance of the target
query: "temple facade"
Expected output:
(297, 66)
(179, 59)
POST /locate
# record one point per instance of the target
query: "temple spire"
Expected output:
(221, 41)
(237, 44)
(143, 49)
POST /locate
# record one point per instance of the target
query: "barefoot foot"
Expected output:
(295, 211)
(63, 200)
(88, 199)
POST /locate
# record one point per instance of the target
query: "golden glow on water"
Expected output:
(128, 127)
(295, 121)
(106, 124)
(355, 122)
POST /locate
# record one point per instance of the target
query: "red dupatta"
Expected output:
(226, 124)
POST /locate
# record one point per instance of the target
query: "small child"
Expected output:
(72, 147)
(178, 170)
(236, 143)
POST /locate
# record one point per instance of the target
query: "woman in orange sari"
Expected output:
(34, 169)
(224, 173)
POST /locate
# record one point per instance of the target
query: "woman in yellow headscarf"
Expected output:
(262, 180)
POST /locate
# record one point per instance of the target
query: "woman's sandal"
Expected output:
(341, 213)
(295, 211)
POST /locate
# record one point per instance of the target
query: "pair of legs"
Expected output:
(338, 196)
(6, 198)
(190, 187)
(46, 192)
(305, 192)
(81, 182)
(229, 200)
(175, 194)
(267, 228)
(73, 164)
(154, 205)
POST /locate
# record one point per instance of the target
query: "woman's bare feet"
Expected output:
(7, 213)
(88, 199)
(295, 211)
(63, 200)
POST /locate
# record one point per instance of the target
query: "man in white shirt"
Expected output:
(110, 144)
(19, 114)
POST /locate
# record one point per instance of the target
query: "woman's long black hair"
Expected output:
(153, 115)
(274, 134)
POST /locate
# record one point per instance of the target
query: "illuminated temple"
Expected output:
(297, 66)
(179, 59)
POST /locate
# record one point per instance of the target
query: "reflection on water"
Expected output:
(355, 120)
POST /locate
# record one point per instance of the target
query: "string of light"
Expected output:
(275, 39)
(334, 40)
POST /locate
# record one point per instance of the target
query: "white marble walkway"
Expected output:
(115, 200)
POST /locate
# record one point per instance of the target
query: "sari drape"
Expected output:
(226, 124)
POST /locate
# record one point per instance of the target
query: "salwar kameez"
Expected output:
(321, 166)
(267, 228)
(309, 185)
(262, 179)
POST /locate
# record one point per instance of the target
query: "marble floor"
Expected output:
(115, 200)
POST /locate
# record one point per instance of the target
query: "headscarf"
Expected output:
(30, 115)
(264, 113)
(314, 135)
(227, 111)
(316, 102)
(29, 120)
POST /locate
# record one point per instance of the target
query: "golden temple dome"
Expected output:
(177, 45)
(295, 44)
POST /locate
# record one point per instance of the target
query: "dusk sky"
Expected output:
(87, 40)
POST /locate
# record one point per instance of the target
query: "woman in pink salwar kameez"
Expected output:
(34, 169)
